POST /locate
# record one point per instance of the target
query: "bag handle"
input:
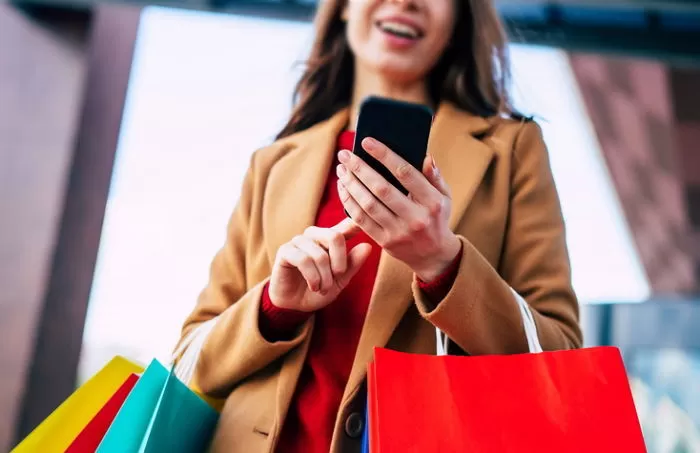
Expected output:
(533, 341)
(185, 357)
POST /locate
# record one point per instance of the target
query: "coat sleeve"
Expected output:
(221, 337)
(481, 313)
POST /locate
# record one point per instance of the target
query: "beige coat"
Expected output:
(506, 212)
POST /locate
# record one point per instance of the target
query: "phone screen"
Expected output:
(403, 127)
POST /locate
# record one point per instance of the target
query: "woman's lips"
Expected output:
(399, 34)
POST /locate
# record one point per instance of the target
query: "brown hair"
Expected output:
(473, 73)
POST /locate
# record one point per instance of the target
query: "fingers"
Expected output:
(321, 260)
(374, 208)
(334, 242)
(413, 180)
(291, 256)
(321, 257)
(385, 192)
(358, 215)
(347, 227)
(432, 173)
(356, 258)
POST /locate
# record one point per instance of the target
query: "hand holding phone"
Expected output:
(412, 229)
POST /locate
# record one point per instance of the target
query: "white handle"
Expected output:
(533, 341)
(189, 349)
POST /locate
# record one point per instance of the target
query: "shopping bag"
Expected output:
(161, 414)
(573, 401)
(186, 356)
(565, 401)
(59, 430)
(365, 435)
(90, 437)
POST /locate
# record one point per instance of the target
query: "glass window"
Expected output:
(666, 389)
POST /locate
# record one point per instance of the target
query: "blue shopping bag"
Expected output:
(365, 433)
(161, 414)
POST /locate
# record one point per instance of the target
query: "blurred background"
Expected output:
(126, 128)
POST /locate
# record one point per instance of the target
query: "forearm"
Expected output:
(436, 289)
(481, 315)
(235, 347)
(279, 324)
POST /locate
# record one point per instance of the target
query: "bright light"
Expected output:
(605, 264)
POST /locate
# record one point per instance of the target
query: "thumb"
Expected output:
(431, 172)
(356, 258)
(347, 227)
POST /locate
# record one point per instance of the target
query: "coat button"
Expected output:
(354, 425)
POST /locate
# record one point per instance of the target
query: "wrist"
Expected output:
(276, 323)
(276, 311)
(442, 261)
(282, 304)
(286, 304)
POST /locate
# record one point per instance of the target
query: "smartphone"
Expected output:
(402, 126)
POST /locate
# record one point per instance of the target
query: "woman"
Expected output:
(300, 295)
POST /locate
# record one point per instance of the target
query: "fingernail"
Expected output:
(435, 170)
(369, 142)
(340, 169)
(343, 155)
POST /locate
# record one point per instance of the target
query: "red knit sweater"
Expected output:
(308, 427)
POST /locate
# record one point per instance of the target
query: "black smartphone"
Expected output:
(402, 126)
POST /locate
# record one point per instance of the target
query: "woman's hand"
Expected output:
(414, 228)
(313, 268)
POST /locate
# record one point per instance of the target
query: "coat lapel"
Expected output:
(296, 182)
(463, 161)
(293, 192)
(461, 157)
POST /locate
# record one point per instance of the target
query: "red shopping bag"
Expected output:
(90, 437)
(567, 401)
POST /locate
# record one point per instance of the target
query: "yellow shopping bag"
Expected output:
(60, 428)
(216, 403)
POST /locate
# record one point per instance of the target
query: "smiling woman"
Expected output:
(299, 294)
(356, 38)
(229, 114)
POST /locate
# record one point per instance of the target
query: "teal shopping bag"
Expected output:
(161, 414)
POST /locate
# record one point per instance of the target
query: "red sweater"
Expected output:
(308, 427)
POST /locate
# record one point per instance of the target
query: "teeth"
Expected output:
(399, 29)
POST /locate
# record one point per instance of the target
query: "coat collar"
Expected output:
(297, 181)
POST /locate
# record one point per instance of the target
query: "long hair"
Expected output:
(473, 73)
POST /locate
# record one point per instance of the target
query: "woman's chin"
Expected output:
(403, 74)
(399, 68)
